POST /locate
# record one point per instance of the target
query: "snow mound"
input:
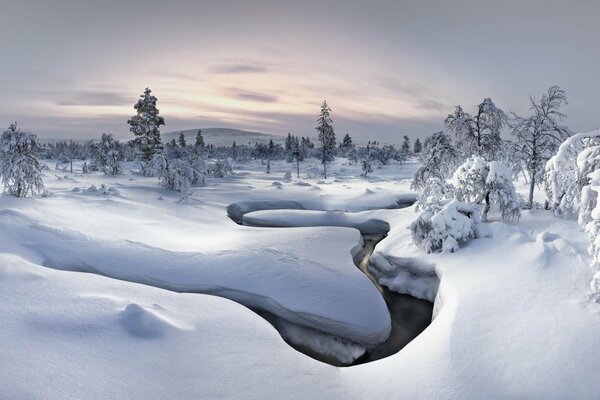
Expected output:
(305, 218)
(144, 322)
(236, 211)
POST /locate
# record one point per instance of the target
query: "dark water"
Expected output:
(410, 316)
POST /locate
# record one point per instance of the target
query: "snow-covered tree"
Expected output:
(179, 174)
(297, 155)
(108, 155)
(405, 145)
(199, 140)
(439, 158)
(270, 151)
(478, 181)
(539, 135)
(366, 167)
(479, 134)
(417, 147)
(347, 141)
(181, 140)
(145, 126)
(563, 179)
(326, 136)
(445, 227)
(220, 169)
(20, 169)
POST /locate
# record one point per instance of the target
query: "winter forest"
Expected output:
(284, 229)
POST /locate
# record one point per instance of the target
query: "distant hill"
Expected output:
(222, 136)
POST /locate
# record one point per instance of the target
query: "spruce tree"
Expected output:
(347, 141)
(145, 126)
(199, 140)
(418, 147)
(406, 145)
(326, 136)
(181, 140)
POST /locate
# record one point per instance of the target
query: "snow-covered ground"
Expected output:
(101, 292)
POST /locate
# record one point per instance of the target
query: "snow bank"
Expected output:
(236, 211)
(309, 279)
(306, 218)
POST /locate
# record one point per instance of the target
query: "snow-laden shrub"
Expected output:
(20, 169)
(561, 175)
(366, 167)
(287, 176)
(434, 192)
(220, 169)
(478, 181)
(439, 159)
(108, 155)
(592, 226)
(445, 228)
(588, 161)
(179, 174)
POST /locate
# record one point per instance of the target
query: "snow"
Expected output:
(514, 317)
(295, 218)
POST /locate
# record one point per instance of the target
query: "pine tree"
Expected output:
(20, 169)
(297, 155)
(417, 146)
(347, 141)
(199, 140)
(326, 136)
(406, 145)
(145, 126)
(181, 140)
(289, 143)
(269, 155)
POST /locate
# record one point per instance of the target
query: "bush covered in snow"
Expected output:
(179, 174)
(565, 173)
(478, 181)
(108, 155)
(20, 169)
(445, 228)
(220, 169)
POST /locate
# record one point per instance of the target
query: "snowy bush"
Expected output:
(439, 160)
(287, 176)
(220, 169)
(178, 174)
(445, 228)
(366, 167)
(478, 181)
(592, 226)
(108, 155)
(20, 169)
(434, 192)
(563, 181)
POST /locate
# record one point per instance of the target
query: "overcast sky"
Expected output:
(387, 68)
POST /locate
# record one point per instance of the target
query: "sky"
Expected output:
(74, 69)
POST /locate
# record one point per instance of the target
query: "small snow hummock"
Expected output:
(447, 228)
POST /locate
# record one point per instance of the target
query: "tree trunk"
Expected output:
(297, 167)
(268, 166)
(71, 165)
(531, 189)
(324, 169)
(486, 209)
